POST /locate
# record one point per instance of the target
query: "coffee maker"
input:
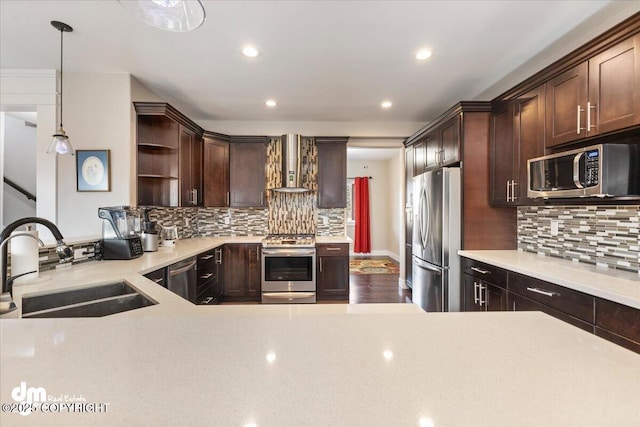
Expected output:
(120, 232)
(149, 232)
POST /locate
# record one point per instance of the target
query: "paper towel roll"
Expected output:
(24, 255)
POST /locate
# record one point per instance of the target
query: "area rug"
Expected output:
(373, 266)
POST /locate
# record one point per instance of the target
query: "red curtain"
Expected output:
(363, 224)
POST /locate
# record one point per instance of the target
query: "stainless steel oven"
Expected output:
(288, 275)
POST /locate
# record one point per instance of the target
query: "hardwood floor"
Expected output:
(376, 288)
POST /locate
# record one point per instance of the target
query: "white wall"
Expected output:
(20, 167)
(385, 196)
(395, 238)
(97, 116)
(35, 91)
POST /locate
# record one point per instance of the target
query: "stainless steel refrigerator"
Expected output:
(436, 240)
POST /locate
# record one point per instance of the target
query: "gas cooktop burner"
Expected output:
(289, 240)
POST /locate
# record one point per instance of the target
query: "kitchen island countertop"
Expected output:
(320, 365)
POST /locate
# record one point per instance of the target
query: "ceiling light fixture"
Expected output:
(250, 52)
(170, 15)
(423, 54)
(386, 104)
(60, 143)
(270, 103)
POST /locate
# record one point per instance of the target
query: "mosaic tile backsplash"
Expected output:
(600, 235)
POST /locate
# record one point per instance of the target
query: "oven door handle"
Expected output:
(288, 252)
(288, 295)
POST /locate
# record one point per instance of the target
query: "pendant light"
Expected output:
(170, 15)
(60, 143)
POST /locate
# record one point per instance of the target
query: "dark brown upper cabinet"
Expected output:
(419, 157)
(247, 168)
(517, 134)
(190, 168)
(169, 159)
(502, 155)
(614, 88)
(439, 147)
(332, 172)
(597, 96)
(216, 170)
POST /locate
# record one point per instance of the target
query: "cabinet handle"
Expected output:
(321, 262)
(219, 252)
(206, 257)
(261, 198)
(228, 198)
(578, 129)
(194, 196)
(541, 292)
(589, 108)
(258, 253)
(482, 288)
(475, 292)
(206, 276)
(513, 190)
(479, 270)
(332, 249)
(508, 186)
(442, 158)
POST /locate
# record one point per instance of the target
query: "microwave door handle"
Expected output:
(576, 170)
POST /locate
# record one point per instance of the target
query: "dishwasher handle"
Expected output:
(179, 270)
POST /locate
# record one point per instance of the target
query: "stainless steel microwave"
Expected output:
(604, 170)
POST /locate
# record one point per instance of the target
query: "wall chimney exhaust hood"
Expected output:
(291, 165)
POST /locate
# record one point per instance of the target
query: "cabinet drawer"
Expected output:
(618, 318)
(487, 272)
(560, 298)
(337, 249)
(520, 303)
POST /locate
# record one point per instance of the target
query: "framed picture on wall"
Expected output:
(92, 170)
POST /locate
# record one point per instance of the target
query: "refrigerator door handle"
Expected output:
(417, 261)
(424, 199)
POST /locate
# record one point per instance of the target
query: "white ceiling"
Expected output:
(323, 61)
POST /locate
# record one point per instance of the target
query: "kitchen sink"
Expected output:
(86, 301)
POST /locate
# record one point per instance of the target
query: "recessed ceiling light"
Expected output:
(386, 104)
(270, 103)
(250, 51)
(423, 54)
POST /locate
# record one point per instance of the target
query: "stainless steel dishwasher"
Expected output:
(182, 278)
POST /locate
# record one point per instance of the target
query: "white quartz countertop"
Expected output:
(615, 285)
(98, 272)
(321, 365)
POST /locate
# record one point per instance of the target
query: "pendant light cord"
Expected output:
(61, 80)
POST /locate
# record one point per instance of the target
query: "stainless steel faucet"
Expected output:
(6, 296)
(64, 252)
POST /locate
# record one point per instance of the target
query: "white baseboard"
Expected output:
(383, 252)
(402, 284)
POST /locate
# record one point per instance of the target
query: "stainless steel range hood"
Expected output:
(291, 165)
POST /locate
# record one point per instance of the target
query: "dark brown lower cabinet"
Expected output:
(241, 271)
(159, 276)
(618, 323)
(614, 322)
(519, 303)
(209, 289)
(479, 295)
(332, 272)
